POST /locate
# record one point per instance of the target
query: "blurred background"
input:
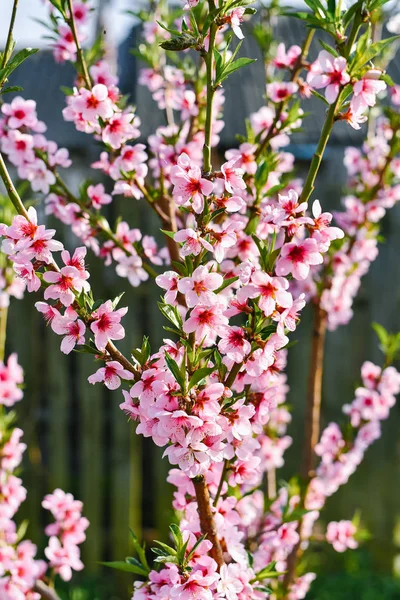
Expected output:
(77, 436)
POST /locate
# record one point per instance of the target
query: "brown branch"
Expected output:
(313, 410)
(168, 209)
(207, 523)
(46, 592)
(312, 422)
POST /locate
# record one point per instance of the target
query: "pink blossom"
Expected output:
(224, 237)
(297, 258)
(204, 320)
(98, 196)
(244, 156)
(106, 325)
(20, 113)
(193, 243)
(19, 147)
(111, 374)
(234, 344)
(93, 103)
(189, 185)
(64, 284)
(286, 60)
(199, 288)
(233, 176)
(235, 18)
(119, 129)
(71, 327)
(132, 268)
(272, 292)
(341, 535)
(39, 246)
(278, 91)
(366, 89)
(63, 559)
(168, 281)
(328, 72)
(28, 274)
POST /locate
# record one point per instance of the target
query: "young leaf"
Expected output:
(120, 565)
(199, 375)
(12, 88)
(227, 283)
(19, 58)
(175, 370)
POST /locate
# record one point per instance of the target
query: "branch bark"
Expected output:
(45, 591)
(313, 409)
(207, 523)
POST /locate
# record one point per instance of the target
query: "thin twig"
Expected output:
(79, 51)
(9, 36)
(20, 208)
(313, 410)
(46, 592)
(3, 329)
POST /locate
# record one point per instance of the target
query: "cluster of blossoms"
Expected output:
(66, 533)
(38, 160)
(206, 424)
(341, 453)
(374, 180)
(11, 379)
(330, 73)
(19, 568)
(10, 287)
(30, 248)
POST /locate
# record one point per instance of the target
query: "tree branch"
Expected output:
(313, 409)
(45, 591)
(207, 523)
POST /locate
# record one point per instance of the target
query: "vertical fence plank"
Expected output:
(92, 465)
(58, 406)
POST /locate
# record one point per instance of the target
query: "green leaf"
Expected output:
(164, 549)
(235, 66)
(117, 300)
(10, 50)
(86, 349)
(199, 375)
(19, 58)
(12, 88)
(140, 550)
(180, 42)
(364, 56)
(227, 283)
(169, 234)
(268, 572)
(125, 566)
(332, 7)
(381, 332)
(387, 79)
(349, 14)
(175, 370)
(261, 175)
(177, 535)
(320, 96)
(22, 529)
(171, 313)
(328, 48)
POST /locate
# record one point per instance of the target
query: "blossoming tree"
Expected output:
(246, 247)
